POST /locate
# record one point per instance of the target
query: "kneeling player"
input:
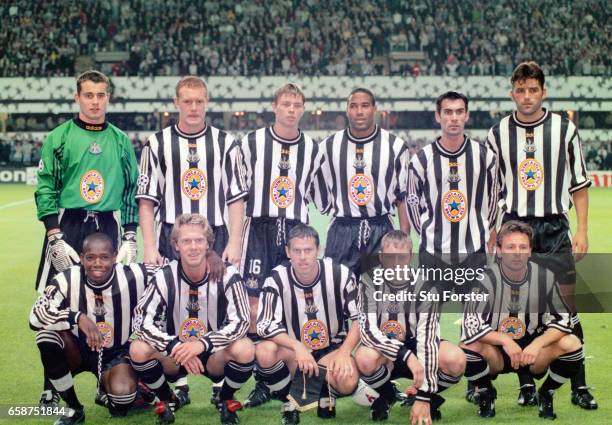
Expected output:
(403, 341)
(531, 330)
(83, 322)
(187, 322)
(303, 316)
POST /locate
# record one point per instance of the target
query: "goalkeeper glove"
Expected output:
(129, 250)
(59, 253)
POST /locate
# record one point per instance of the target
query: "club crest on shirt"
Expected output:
(454, 205)
(314, 335)
(393, 330)
(194, 183)
(282, 191)
(95, 149)
(513, 327)
(531, 173)
(192, 329)
(360, 189)
(92, 186)
(107, 333)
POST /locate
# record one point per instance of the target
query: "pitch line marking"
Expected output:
(16, 203)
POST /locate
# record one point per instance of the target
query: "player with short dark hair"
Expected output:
(87, 173)
(542, 173)
(191, 167)
(186, 322)
(365, 173)
(402, 340)
(284, 177)
(83, 322)
(304, 309)
(523, 324)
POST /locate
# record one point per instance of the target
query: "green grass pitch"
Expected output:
(21, 373)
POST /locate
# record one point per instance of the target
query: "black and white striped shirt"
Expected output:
(314, 314)
(518, 309)
(109, 305)
(540, 164)
(451, 197)
(175, 309)
(191, 173)
(385, 325)
(283, 176)
(365, 177)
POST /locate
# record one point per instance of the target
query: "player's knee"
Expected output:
(140, 351)
(367, 360)
(121, 387)
(266, 353)
(243, 350)
(569, 343)
(452, 360)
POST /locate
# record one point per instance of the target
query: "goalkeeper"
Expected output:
(87, 172)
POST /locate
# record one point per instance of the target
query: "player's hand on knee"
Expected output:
(185, 351)
(530, 353)
(341, 365)
(418, 373)
(59, 253)
(93, 336)
(305, 362)
(152, 256)
(129, 250)
(216, 268)
(419, 414)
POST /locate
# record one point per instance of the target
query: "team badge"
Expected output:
(314, 335)
(393, 330)
(513, 327)
(92, 186)
(359, 164)
(282, 191)
(284, 164)
(252, 282)
(107, 333)
(193, 158)
(360, 189)
(95, 149)
(192, 329)
(530, 173)
(454, 205)
(143, 180)
(194, 183)
(453, 177)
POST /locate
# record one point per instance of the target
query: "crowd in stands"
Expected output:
(305, 37)
(598, 156)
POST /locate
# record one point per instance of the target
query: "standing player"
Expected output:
(365, 172)
(191, 168)
(524, 323)
(451, 186)
(84, 321)
(87, 172)
(283, 174)
(303, 314)
(185, 319)
(402, 339)
(541, 173)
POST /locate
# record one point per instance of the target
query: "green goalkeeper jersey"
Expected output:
(85, 166)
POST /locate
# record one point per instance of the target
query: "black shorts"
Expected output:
(263, 248)
(164, 244)
(348, 239)
(110, 357)
(319, 354)
(552, 245)
(76, 226)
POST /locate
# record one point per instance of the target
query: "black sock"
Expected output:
(446, 381)
(56, 367)
(525, 377)
(151, 373)
(236, 374)
(381, 382)
(562, 369)
(277, 378)
(577, 328)
(477, 369)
